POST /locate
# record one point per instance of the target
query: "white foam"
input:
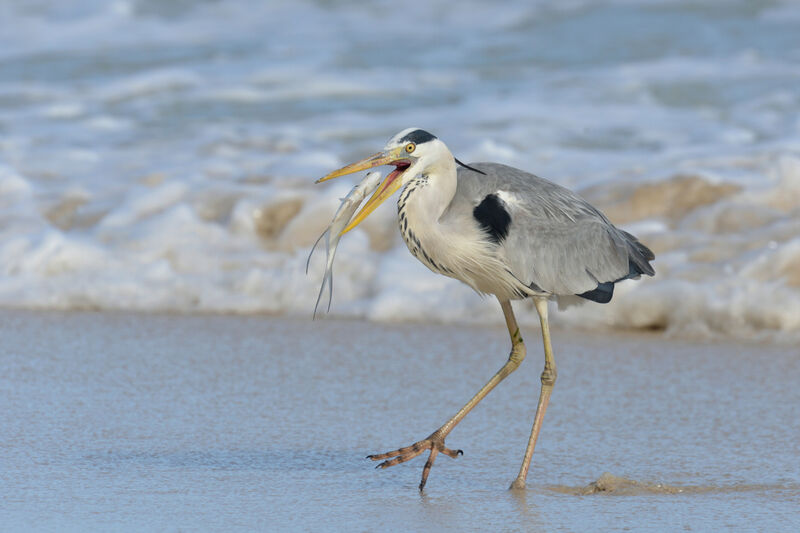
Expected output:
(12, 184)
(108, 123)
(194, 145)
(149, 84)
(64, 110)
(144, 202)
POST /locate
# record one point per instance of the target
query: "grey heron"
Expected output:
(505, 232)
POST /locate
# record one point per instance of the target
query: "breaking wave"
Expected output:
(177, 175)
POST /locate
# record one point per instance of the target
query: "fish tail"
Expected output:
(308, 261)
(329, 278)
(319, 296)
(330, 289)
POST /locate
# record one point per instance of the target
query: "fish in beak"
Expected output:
(397, 157)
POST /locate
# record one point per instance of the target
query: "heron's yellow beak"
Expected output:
(396, 156)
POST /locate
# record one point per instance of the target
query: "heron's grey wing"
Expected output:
(556, 241)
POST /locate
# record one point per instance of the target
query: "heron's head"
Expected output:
(412, 152)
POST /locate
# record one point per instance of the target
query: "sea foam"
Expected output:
(154, 159)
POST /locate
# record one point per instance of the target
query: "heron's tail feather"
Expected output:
(639, 257)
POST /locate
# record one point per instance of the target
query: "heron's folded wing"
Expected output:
(567, 258)
(556, 241)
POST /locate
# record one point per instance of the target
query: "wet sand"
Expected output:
(116, 421)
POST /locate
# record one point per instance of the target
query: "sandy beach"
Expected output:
(217, 422)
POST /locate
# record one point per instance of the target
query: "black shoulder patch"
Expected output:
(491, 214)
(418, 137)
(601, 294)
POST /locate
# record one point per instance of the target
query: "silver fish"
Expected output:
(334, 230)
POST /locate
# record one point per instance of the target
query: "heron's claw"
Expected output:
(401, 455)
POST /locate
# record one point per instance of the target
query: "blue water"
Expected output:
(160, 155)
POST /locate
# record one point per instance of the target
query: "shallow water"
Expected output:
(159, 422)
(160, 155)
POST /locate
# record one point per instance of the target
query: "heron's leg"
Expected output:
(435, 441)
(548, 380)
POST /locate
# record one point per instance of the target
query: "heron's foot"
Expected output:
(518, 484)
(432, 443)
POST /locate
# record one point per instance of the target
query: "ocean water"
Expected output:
(160, 155)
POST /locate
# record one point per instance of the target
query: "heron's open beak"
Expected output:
(396, 157)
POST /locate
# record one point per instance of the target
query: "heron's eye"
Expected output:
(410, 147)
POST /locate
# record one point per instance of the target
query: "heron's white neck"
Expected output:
(427, 196)
(421, 205)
